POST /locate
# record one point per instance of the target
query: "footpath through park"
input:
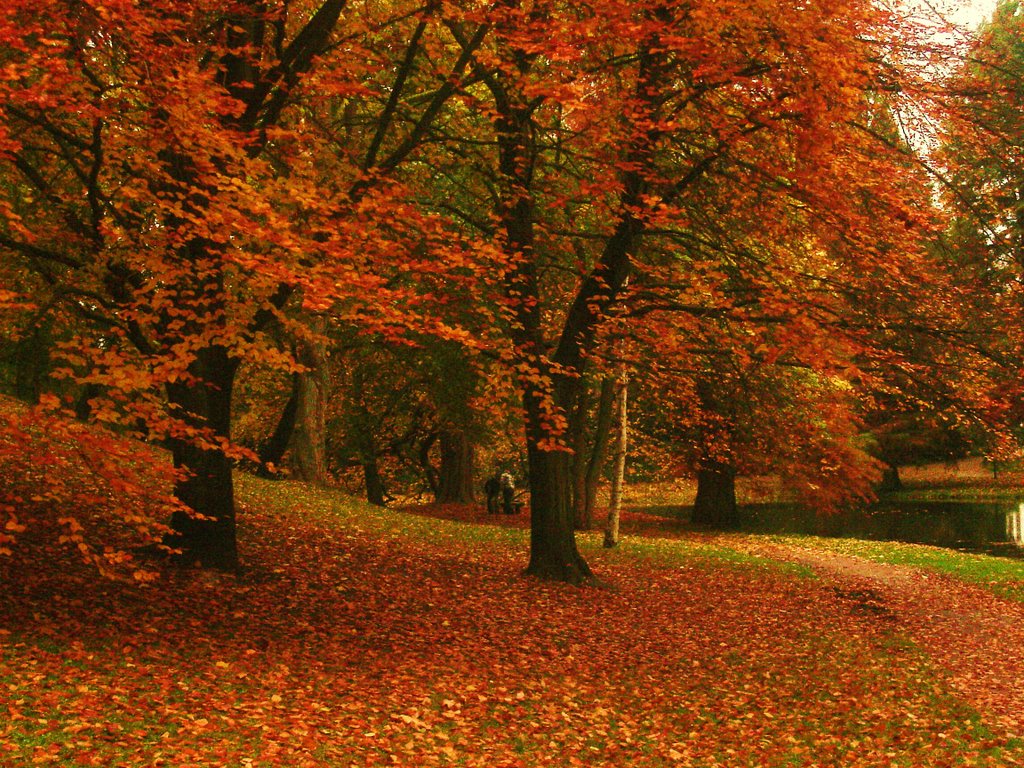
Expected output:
(974, 636)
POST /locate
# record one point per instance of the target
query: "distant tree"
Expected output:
(982, 180)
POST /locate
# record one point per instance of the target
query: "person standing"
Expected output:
(508, 489)
(492, 488)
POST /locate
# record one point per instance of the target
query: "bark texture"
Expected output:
(455, 480)
(611, 533)
(206, 531)
(716, 496)
(309, 439)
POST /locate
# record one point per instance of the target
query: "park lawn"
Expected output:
(359, 636)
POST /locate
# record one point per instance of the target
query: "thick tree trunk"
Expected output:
(611, 533)
(716, 496)
(375, 491)
(891, 479)
(553, 552)
(309, 440)
(455, 482)
(208, 537)
(205, 403)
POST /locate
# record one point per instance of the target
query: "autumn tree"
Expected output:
(626, 135)
(166, 187)
(982, 181)
(188, 177)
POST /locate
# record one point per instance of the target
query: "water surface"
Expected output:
(992, 527)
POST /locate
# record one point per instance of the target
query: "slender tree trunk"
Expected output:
(206, 484)
(273, 449)
(579, 429)
(455, 483)
(611, 534)
(430, 473)
(716, 496)
(599, 450)
(309, 440)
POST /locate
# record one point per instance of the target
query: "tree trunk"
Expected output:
(578, 428)
(430, 473)
(716, 496)
(205, 402)
(272, 450)
(206, 485)
(891, 479)
(599, 450)
(309, 440)
(83, 408)
(553, 552)
(611, 534)
(455, 484)
(551, 383)
(375, 492)
(32, 362)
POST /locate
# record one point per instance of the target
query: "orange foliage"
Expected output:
(189, 177)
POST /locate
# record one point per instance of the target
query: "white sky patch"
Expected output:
(968, 14)
(971, 13)
(919, 129)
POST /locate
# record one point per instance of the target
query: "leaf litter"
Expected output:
(366, 637)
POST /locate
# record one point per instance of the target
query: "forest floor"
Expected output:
(359, 636)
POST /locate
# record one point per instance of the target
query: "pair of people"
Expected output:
(504, 484)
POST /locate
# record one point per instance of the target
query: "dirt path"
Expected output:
(976, 637)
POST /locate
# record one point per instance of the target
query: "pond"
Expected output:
(995, 527)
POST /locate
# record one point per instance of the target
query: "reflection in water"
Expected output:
(992, 527)
(1015, 525)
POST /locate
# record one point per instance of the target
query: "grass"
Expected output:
(1002, 576)
(968, 481)
(676, 553)
(969, 493)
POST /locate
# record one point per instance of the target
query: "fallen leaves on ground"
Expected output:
(971, 634)
(365, 637)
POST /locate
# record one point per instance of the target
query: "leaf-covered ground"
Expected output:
(973, 630)
(365, 637)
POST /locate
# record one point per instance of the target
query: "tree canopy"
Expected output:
(517, 198)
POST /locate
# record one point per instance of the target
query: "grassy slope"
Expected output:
(366, 637)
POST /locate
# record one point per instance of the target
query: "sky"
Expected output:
(971, 12)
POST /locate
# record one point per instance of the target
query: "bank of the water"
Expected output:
(994, 527)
